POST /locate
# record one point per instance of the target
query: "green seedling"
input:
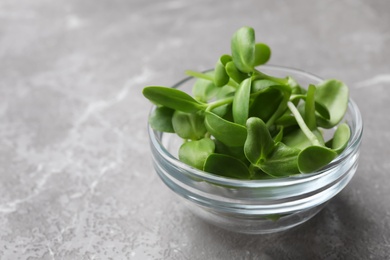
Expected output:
(244, 124)
(195, 153)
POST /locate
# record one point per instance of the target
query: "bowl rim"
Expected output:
(353, 144)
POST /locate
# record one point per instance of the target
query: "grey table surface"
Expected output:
(76, 177)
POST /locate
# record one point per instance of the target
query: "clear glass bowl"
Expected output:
(257, 206)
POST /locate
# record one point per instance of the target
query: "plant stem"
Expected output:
(310, 117)
(293, 97)
(309, 134)
(279, 111)
(261, 75)
(199, 75)
(218, 103)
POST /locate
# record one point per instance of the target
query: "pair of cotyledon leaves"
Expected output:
(231, 135)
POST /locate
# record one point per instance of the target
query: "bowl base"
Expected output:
(255, 224)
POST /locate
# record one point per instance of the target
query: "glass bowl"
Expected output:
(257, 206)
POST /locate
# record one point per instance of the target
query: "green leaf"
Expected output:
(259, 142)
(241, 102)
(279, 136)
(221, 111)
(310, 111)
(221, 78)
(282, 107)
(282, 161)
(287, 81)
(225, 91)
(189, 125)
(314, 158)
(302, 125)
(262, 85)
(298, 90)
(320, 109)
(265, 104)
(195, 153)
(299, 140)
(172, 98)
(204, 90)
(259, 174)
(286, 120)
(227, 132)
(243, 49)
(341, 138)
(283, 88)
(226, 166)
(161, 119)
(262, 53)
(332, 94)
(291, 82)
(235, 151)
(234, 73)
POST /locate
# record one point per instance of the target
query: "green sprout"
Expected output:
(244, 124)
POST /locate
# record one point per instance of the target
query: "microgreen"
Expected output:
(172, 98)
(161, 119)
(333, 94)
(243, 47)
(229, 133)
(241, 102)
(242, 123)
(204, 90)
(234, 73)
(195, 153)
(221, 78)
(227, 166)
(189, 125)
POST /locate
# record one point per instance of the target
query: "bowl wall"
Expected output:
(257, 206)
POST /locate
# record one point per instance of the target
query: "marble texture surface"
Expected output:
(76, 178)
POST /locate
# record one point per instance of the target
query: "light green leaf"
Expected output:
(241, 102)
(195, 153)
(204, 90)
(262, 85)
(243, 49)
(259, 142)
(225, 91)
(341, 138)
(172, 98)
(221, 78)
(262, 53)
(227, 132)
(282, 161)
(189, 125)
(332, 94)
(234, 73)
(314, 158)
(161, 119)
